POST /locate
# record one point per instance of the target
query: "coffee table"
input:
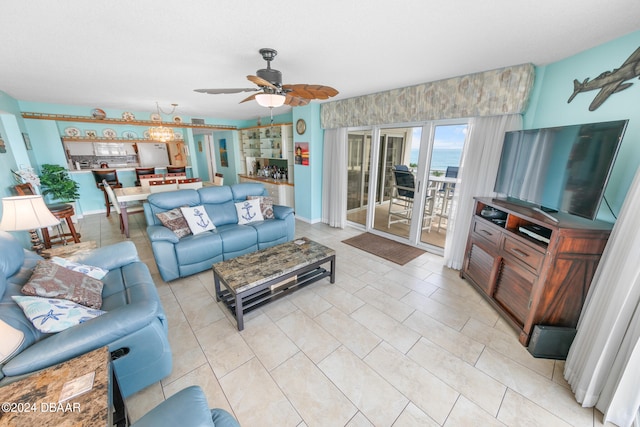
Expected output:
(257, 278)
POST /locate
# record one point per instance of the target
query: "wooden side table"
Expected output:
(34, 400)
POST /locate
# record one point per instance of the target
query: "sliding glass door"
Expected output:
(412, 184)
(358, 172)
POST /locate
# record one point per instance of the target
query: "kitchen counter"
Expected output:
(266, 180)
(281, 191)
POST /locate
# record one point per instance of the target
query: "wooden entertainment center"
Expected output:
(538, 277)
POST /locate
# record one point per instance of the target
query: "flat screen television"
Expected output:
(563, 169)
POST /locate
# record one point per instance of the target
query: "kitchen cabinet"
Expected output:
(84, 142)
(533, 270)
(79, 149)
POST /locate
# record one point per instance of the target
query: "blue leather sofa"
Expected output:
(180, 257)
(134, 327)
(188, 407)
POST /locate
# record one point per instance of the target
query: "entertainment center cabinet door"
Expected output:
(481, 267)
(513, 290)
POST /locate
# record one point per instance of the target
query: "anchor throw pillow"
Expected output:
(197, 219)
(249, 211)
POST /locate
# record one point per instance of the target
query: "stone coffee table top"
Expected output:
(250, 270)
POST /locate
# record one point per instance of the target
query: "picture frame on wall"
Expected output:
(302, 153)
(224, 161)
(27, 141)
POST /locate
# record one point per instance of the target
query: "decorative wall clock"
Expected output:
(301, 126)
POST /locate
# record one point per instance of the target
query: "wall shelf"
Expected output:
(103, 139)
(86, 119)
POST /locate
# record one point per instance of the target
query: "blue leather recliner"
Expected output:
(181, 257)
(188, 407)
(134, 327)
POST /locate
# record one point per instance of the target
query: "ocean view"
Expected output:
(441, 158)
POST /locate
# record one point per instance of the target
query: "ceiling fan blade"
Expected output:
(295, 101)
(310, 91)
(260, 82)
(250, 98)
(233, 90)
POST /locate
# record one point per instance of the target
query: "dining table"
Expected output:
(125, 195)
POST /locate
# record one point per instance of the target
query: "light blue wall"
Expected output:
(549, 107)
(16, 155)
(200, 157)
(231, 171)
(308, 179)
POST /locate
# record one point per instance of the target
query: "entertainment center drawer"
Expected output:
(524, 253)
(487, 232)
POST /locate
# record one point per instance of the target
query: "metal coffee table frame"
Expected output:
(242, 302)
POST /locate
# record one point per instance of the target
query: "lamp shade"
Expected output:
(270, 100)
(26, 213)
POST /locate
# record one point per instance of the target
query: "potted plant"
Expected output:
(58, 185)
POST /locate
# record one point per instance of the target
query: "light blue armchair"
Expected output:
(134, 326)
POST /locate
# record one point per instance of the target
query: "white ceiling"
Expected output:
(127, 55)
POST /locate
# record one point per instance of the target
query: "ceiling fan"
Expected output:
(269, 82)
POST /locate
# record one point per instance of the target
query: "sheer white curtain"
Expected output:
(603, 365)
(477, 174)
(334, 178)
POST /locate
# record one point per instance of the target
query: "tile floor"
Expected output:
(384, 346)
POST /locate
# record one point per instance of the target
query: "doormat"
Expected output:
(393, 251)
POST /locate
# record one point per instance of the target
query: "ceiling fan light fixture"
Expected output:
(270, 100)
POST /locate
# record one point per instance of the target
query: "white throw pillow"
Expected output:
(11, 341)
(89, 270)
(249, 211)
(197, 219)
(51, 315)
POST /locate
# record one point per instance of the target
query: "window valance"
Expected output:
(489, 93)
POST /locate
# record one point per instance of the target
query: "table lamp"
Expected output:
(27, 213)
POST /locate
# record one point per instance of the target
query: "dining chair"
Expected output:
(144, 181)
(176, 175)
(176, 169)
(117, 207)
(140, 172)
(163, 185)
(193, 183)
(109, 175)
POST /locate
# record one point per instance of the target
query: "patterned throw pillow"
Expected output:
(54, 315)
(249, 211)
(50, 280)
(197, 219)
(266, 205)
(89, 270)
(174, 221)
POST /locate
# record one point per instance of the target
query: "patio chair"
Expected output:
(402, 197)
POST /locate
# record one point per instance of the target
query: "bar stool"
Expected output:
(111, 176)
(62, 211)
